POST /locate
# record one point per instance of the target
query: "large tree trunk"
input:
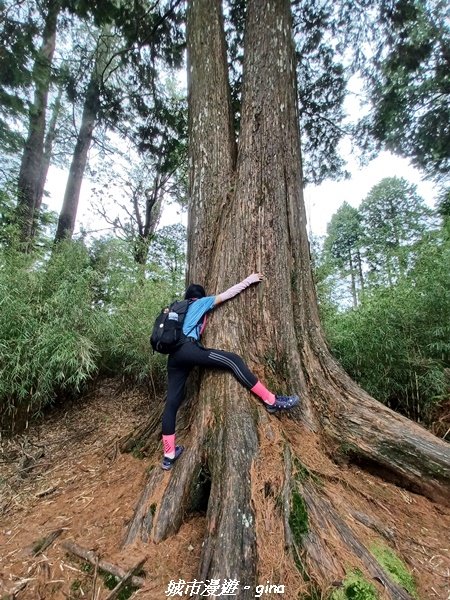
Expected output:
(68, 214)
(29, 184)
(245, 215)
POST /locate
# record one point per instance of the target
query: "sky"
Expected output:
(321, 201)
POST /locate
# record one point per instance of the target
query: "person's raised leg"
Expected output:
(220, 359)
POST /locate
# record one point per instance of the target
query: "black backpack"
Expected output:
(167, 334)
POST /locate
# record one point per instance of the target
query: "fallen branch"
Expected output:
(94, 584)
(115, 592)
(47, 491)
(41, 545)
(18, 588)
(92, 558)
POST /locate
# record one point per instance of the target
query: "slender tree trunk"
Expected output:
(248, 214)
(30, 174)
(353, 279)
(48, 146)
(147, 226)
(360, 272)
(68, 214)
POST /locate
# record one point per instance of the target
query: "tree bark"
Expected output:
(247, 214)
(68, 214)
(29, 183)
(353, 279)
(50, 137)
(146, 226)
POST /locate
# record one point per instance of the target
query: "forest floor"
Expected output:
(65, 475)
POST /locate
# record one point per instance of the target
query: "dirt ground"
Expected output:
(65, 475)
(80, 484)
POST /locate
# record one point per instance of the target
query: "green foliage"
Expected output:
(409, 84)
(66, 318)
(343, 245)
(128, 300)
(111, 582)
(394, 218)
(392, 564)
(396, 343)
(45, 321)
(355, 587)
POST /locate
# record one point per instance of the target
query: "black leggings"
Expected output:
(180, 364)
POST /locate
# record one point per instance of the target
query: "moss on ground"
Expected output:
(395, 567)
(355, 587)
(298, 518)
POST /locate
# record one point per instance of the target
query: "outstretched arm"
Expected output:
(238, 288)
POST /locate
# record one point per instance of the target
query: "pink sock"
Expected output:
(263, 393)
(169, 445)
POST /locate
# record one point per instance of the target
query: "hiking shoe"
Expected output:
(168, 463)
(282, 403)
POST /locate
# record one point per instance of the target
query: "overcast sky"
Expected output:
(321, 201)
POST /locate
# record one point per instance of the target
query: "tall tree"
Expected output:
(247, 213)
(157, 177)
(344, 245)
(30, 175)
(394, 218)
(123, 84)
(67, 216)
(50, 137)
(142, 191)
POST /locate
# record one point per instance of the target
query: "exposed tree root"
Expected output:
(251, 535)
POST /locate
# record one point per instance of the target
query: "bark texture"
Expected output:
(92, 103)
(29, 183)
(247, 214)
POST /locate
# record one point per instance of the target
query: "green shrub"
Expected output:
(46, 323)
(67, 317)
(128, 301)
(396, 344)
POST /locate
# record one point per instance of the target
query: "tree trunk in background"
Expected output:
(147, 225)
(68, 214)
(353, 279)
(29, 184)
(247, 214)
(48, 145)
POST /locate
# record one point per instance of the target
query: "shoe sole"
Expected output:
(168, 467)
(273, 411)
